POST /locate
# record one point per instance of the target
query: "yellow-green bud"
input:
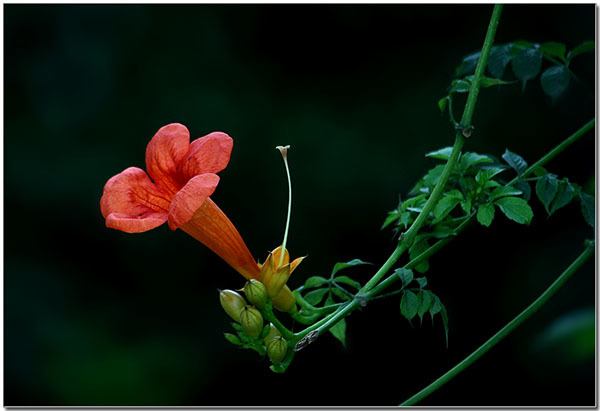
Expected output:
(273, 332)
(256, 293)
(251, 320)
(276, 349)
(232, 303)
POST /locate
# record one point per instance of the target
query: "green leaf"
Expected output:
(490, 81)
(265, 331)
(405, 219)
(442, 103)
(526, 63)
(344, 279)
(436, 306)
(409, 305)
(433, 176)
(485, 175)
(444, 206)
(237, 327)
(555, 80)
(315, 281)
(468, 64)
(554, 49)
(406, 275)
(525, 188)
(516, 209)
(515, 161)
(441, 154)
(392, 216)
(443, 231)
(546, 188)
(503, 192)
(234, 339)
(582, 48)
(315, 296)
(417, 248)
(444, 315)
(339, 331)
(460, 86)
(422, 282)
(564, 195)
(341, 266)
(498, 59)
(540, 171)
(588, 208)
(466, 205)
(485, 214)
(469, 159)
(425, 299)
(340, 294)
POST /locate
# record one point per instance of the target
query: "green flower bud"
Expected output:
(251, 320)
(256, 293)
(276, 349)
(273, 332)
(232, 303)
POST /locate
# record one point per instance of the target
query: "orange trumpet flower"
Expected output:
(181, 178)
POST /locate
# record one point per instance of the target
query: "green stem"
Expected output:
(518, 320)
(556, 150)
(268, 315)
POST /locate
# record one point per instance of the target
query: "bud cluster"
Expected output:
(249, 317)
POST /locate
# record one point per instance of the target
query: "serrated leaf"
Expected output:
(485, 175)
(564, 195)
(433, 176)
(485, 214)
(234, 339)
(554, 49)
(441, 154)
(515, 161)
(555, 80)
(466, 205)
(443, 231)
(582, 48)
(344, 279)
(406, 275)
(546, 188)
(425, 301)
(516, 209)
(442, 103)
(315, 281)
(341, 266)
(405, 219)
(444, 206)
(468, 64)
(409, 305)
(436, 306)
(540, 171)
(525, 188)
(315, 296)
(469, 159)
(339, 331)
(422, 281)
(526, 64)
(498, 59)
(588, 208)
(503, 192)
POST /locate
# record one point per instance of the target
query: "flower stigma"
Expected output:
(283, 150)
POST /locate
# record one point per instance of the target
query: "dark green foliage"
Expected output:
(545, 189)
(409, 305)
(554, 49)
(499, 58)
(516, 209)
(406, 276)
(315, 281)
(526, 64)
(339, 331)
(341, 266)
(515, 161)
(587, 208)
(564, 195)
(555, 80)
(485, 214)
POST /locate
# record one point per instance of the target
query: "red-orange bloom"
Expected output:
(181, 177)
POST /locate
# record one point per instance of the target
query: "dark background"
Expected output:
(95, 316)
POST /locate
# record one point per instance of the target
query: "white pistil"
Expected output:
(283, 150)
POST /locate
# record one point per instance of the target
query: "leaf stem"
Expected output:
(506, 330)
(556, 150)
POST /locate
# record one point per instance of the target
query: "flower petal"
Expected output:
(212, 228)
(164, 155)
(135, 224)
(277, 257)
(295, 263)
(132, 193)
(208, 154)
(190, 198)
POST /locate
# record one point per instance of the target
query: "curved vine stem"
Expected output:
(507, 329)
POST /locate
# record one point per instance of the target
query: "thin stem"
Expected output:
(556, 150)
(283, 150)
(268, 314)
(518, 320)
